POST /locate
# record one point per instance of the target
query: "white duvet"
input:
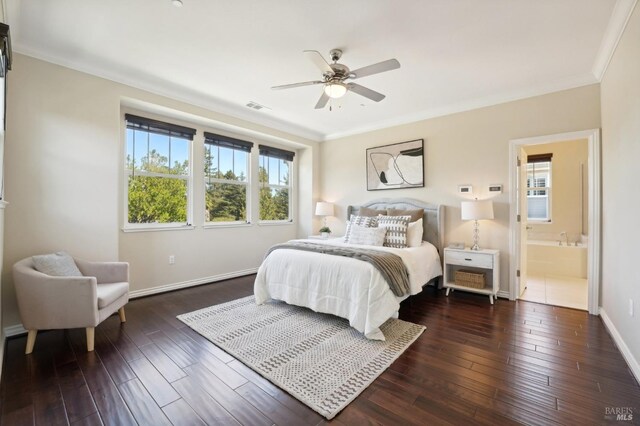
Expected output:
(342, 286)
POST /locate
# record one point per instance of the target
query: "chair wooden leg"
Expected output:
(31, 340)
(90, 338)
(123, 318)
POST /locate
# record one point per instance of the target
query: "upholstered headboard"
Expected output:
(432, 222)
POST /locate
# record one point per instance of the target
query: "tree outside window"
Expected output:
(158, 172)
(275, 184)
(226, 170)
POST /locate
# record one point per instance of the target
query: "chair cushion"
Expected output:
(58, 264)
(110, 292)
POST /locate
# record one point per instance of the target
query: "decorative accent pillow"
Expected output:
(365, 221)
(366, 211)
(396, 227)
(414, 234)
(415, 214)
(59, 264)
(367, 236)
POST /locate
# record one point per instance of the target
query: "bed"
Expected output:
(350, 288)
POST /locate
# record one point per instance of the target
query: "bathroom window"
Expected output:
(539, 187)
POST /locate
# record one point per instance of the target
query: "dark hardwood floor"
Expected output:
(510, 363)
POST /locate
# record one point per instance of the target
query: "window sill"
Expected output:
(214, 225)
(275, 223)
(154, 228)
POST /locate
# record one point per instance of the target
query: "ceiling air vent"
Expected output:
(256, 106)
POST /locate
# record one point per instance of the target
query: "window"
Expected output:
(226, 174)
(539, 187)
(158, 171)
(274, 176)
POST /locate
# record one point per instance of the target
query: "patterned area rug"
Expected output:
(317, 358)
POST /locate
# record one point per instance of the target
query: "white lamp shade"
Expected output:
(324, 209)
(477, 210)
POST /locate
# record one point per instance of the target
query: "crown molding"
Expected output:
(175, 92)
(617, 23)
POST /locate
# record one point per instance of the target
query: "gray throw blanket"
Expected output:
(390, 265)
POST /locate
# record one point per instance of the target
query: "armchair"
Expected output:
(51, 302)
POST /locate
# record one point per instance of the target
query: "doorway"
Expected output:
(553, 261)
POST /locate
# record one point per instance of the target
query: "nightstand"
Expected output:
(487, 261)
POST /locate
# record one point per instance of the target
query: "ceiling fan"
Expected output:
(335, 76)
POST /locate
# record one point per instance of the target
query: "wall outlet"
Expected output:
(630, 307)
(172, 259)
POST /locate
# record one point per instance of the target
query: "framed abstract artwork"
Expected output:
(396, 166)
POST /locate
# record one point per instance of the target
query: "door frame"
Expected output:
(594, 209)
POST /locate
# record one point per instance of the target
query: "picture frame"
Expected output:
(396, 166)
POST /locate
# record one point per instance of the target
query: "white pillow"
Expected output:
(365, 221)
(367, 236)
(396, 227)
(58, 264)
(414, 234)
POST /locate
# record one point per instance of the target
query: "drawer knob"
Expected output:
(466, 258)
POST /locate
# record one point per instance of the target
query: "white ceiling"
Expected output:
(221, 54)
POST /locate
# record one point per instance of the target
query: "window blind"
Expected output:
(276, 153)
(539, 158)
(160, 127)
(227, 142)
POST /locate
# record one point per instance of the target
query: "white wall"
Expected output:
(466, 148)
(620, 194)
(64, 159)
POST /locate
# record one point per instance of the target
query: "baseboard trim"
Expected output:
(18, 329)
(14, 330)
(622, 346)
(191, 283)
(503, 294)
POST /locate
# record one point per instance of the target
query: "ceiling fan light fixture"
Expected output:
(335, 90)
(177, 3)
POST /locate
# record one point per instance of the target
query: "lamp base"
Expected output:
(476, 236)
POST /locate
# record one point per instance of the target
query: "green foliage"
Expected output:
(154, 199)
(325, 229)
(274, 203)
(226, 202)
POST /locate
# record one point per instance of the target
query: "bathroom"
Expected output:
(557, 224)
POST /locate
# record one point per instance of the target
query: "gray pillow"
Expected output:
(58, 264)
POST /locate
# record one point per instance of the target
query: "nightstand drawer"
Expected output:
(467, 258)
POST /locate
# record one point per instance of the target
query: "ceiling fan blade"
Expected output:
(291, 86)
(366, 92)
(383, 66)
(317, 59)
(322, 102)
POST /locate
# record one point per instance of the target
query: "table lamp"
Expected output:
(476, 210)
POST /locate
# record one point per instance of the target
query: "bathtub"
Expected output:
(545, 257)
